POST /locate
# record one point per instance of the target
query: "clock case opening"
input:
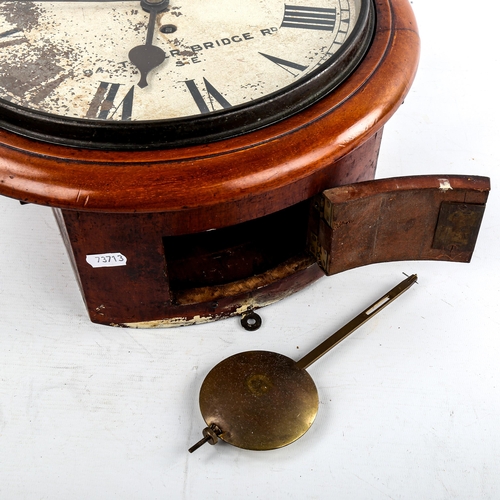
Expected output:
(219, 229)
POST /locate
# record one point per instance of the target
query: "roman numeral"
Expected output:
(103, 105)
(284, 64)
(213, 95)
(11, 37)
(10, 32)
(309, 18)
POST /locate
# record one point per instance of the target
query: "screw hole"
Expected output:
(168, 29)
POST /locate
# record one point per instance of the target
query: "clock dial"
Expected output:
(128, 71)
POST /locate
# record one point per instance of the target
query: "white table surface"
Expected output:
(409, 404)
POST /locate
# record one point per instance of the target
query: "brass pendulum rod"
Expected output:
(355, 323)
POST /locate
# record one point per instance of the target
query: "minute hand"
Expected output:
(148, 56)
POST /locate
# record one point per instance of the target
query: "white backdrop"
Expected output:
(410, 403)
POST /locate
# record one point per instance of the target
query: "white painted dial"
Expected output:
(128, 74)
(72, 58)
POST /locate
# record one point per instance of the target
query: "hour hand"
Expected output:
(148, 56)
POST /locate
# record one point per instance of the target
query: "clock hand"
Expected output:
(145, 57)
(148, 56)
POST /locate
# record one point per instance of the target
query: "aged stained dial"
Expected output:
(134, 74)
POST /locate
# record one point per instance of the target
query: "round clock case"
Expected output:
(219, 228)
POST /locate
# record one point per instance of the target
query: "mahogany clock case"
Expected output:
(233, 180)
(218, 229)
(408, 404)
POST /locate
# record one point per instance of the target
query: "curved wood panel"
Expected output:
(405, 218)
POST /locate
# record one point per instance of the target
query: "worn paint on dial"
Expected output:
(71, 58)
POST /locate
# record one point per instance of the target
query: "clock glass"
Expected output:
(159, 73)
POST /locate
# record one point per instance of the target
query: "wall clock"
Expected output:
(206, 160)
